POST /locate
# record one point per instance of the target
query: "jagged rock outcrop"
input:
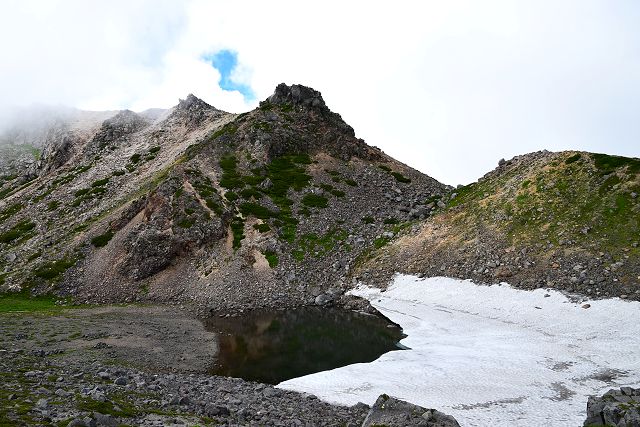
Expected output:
(392, 412)
(617, 408)
(297, 95)
(115, 131)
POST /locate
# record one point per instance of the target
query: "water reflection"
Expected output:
(274, 346)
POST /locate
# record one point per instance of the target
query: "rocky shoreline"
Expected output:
(142, 366)
(147, 366)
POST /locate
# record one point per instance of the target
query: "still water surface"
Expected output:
(274, 346)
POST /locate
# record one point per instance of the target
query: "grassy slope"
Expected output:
(579, 199)
(568, 220)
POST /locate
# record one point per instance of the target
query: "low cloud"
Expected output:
(447, 87)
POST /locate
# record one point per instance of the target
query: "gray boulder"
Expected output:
(392, 412)
(620, 408)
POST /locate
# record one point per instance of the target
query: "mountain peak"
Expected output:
(297, 95)
(192, 102)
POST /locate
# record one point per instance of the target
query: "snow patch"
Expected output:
(491, 355)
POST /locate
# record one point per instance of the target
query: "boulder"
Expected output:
(392, 412)
(614, 408)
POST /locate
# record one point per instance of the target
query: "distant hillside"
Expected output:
(568, 220)
(270, 207)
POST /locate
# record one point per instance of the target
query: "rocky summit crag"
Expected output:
(266, 208)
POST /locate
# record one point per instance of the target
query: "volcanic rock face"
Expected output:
(269, 208)
(297, 95)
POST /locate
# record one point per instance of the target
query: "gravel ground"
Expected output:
(135, 366)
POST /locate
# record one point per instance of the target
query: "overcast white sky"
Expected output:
(448, 87)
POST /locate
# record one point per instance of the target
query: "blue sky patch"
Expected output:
(225, 61)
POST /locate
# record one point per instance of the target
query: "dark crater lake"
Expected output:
(274, 346)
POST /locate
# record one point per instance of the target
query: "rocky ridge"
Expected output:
(267, 208)
(567, 221)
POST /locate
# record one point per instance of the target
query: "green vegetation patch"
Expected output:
(230, 177)
(227, 130)
(24, 302)
(572, 159)
(119, 409)
(186, 222)
(272, 258)
(18, 231)
(100, 182)
(315, 201)
(9, 211)
(262, 228)
(53, 270)
(237, 227)
(103, 239)
(257, 210)
(231, 196)
(314, 245)
(400, 178)
(368, 220)
(608, 164)
(380, 242)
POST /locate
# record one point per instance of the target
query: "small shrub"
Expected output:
(100, 182)
(400, 178)
(391, 221)
(186, 222)
(248, 193)
(256, 210)
(237, 227)
(385, 168)
(263, 228)
(118, 172)
(82, 192)
(572, 159)
(53, 270)
(103, 239)
(17, 231)
(135, 158)
(608, 164)
(380, 242)
(272, 258)
(338, 193)
(350, 182)
(315, 201)
(231, 196)
(368, 220)
(8, 212)
(154, 150)
(53, 205)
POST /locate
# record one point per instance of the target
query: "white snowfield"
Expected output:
(492, 355)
